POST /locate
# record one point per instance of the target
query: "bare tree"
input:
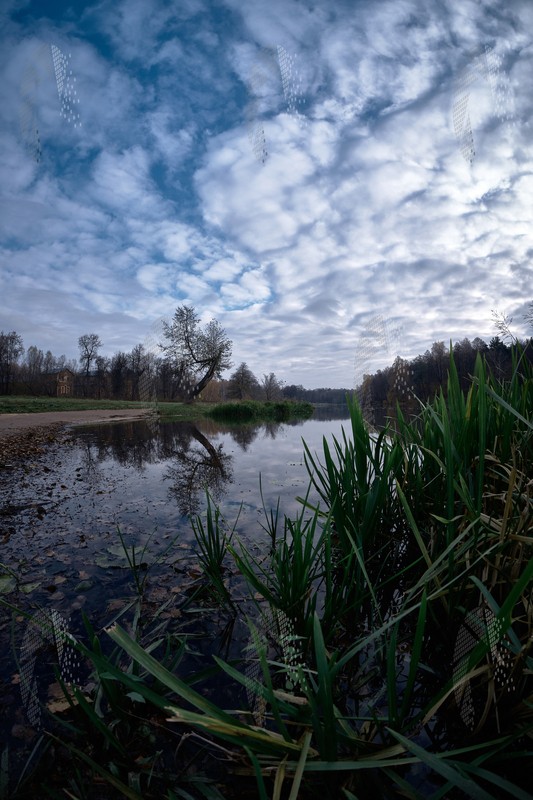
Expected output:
(243, 384)
(49, 363)
(119, 366)
(88, 345)
(102, 374)
(165, 378)
(11, 348)
(34, 368)
(194, 468)
(138, 364)
(196, 354)
(272, 387)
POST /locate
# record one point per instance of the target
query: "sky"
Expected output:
(338, 182)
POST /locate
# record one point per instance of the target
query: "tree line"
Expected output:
(421, 377)
(190, 359)
(187, 363)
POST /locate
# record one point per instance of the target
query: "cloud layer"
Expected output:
(296, 170)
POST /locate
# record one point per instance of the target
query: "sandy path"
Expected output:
(16, 423)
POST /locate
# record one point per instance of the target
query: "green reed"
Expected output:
(213, 540)
(289, 576)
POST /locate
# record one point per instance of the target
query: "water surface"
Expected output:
(61, 515)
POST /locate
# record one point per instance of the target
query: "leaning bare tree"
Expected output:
(196, 354)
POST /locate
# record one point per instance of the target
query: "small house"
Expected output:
(60, 382)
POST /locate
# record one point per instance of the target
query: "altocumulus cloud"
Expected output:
(296, 169)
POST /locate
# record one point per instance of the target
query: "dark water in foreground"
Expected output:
(59, 521)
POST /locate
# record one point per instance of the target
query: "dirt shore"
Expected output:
(15, 423)
(23, 436)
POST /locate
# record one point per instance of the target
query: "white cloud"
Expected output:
(369, 208)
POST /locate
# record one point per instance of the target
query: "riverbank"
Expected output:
(17, 405)
(25, 435)
(20, 414)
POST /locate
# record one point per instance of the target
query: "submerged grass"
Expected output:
(409, 588)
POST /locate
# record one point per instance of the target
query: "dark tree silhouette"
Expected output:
(119, 371)
(272, 387)
(89, 345)
(243, 385)
(11, 348)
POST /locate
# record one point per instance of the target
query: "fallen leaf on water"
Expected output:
(194, 573)
(26, 588)
(173, 613)
(83, 586)
(7, 584)
(106, 563)
(115, 605)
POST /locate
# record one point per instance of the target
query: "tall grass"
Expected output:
(213, 541)
(418, 536)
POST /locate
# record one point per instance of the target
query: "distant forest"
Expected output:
(32, 372)
(405, 381)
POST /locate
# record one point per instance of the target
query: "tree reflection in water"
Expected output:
(244, 435)
(192, 462)
(197, 465)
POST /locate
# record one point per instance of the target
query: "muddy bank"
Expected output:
(9, 423)
(25, 436)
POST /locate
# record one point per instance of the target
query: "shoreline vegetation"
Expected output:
(255, 410)
(398, 658)
(235, 410)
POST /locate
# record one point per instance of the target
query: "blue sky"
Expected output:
(317, 176)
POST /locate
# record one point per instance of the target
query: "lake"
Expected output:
(61, 516)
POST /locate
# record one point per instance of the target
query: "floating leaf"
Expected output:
(116, 550)
(107, 563)
(26, 588)
(7, 584)
(83, 586)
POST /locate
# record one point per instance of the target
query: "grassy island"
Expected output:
(255, 411)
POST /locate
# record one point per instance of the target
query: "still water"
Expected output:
(147, 480)
(61, 515)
